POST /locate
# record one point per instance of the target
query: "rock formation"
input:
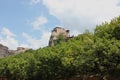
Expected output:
(4, 51)
(20, 49)
(56, 32)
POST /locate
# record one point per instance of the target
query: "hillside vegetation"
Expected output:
(89, 53)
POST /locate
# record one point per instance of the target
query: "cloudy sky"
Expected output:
(28, 23)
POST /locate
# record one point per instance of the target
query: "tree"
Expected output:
(60, 38)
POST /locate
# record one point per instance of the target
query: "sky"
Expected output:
(28, 23)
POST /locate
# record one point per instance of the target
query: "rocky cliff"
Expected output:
(4, 51)
(56, 32)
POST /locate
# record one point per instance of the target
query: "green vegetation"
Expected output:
(60, 38)
(95, 53)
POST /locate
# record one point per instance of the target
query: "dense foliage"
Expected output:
(89, 53)
(60, 38)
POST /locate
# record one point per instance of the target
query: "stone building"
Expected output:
(56, 32)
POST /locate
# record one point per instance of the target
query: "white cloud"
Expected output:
(34, 2)
(8, 39)
(34, 43)
(7, 32)
(9, 42)
(37, 43)
(40, 21)
(83, 14)
(75, 33)
(24, 45)
(38, 24)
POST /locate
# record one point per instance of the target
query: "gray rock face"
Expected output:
(20, 49)
(56, 32)
(4, 51)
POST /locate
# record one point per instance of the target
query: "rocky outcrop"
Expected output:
(4, 51)
(56, 32)
(20, 49)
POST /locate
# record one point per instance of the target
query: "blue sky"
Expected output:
(28, 23)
